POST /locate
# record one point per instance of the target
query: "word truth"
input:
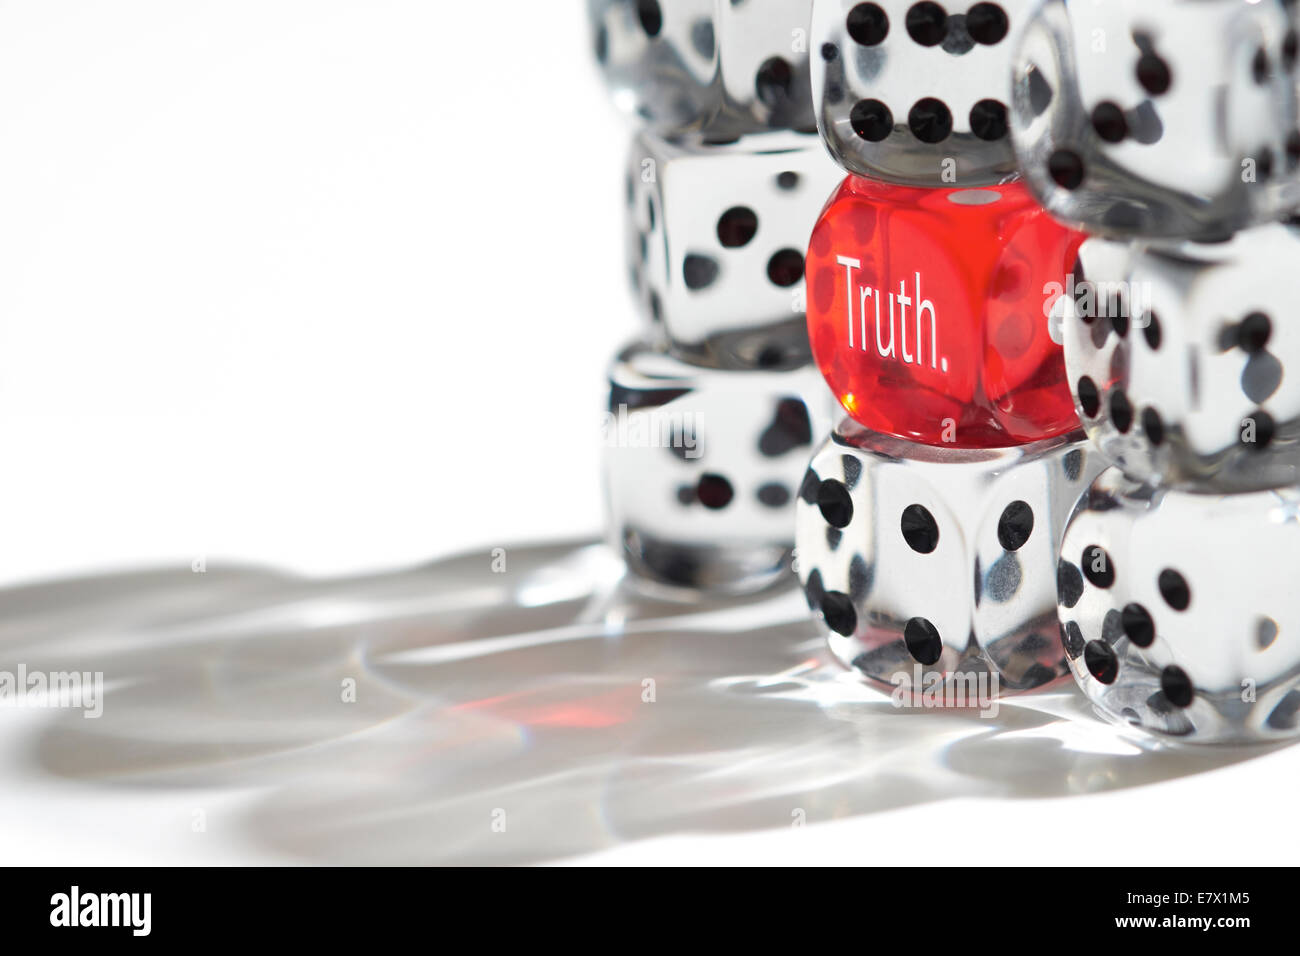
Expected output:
(897, 346)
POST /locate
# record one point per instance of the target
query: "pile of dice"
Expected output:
(1056, 213)
(1176, 148)
(713, 410)
(929, 522)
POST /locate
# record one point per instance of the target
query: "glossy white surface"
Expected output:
(520, 699)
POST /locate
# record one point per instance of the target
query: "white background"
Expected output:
(331, 285)
(321, 283)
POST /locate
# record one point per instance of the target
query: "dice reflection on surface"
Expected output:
(702, 467)
(1179, 611)
(1183, 360)
(917, 93)
(928, 312)
(716, 237)
(691, 64)
(1158, 118)
(939, 559)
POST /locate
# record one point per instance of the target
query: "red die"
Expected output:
(928, 312)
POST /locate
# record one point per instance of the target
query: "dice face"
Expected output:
(702, 467)
(693, 64)
(716, 236)
(917, 93)
(1180, 358)
(1179, 611)
(928, 312)
(1158, 118)
(929, 561)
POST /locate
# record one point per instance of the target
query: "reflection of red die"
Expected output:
(928, 312)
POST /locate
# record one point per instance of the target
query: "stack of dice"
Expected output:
(1057, 213)
(1168, 130)
(929, 522)
(713, 410)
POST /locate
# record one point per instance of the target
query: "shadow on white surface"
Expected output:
(484, 698)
